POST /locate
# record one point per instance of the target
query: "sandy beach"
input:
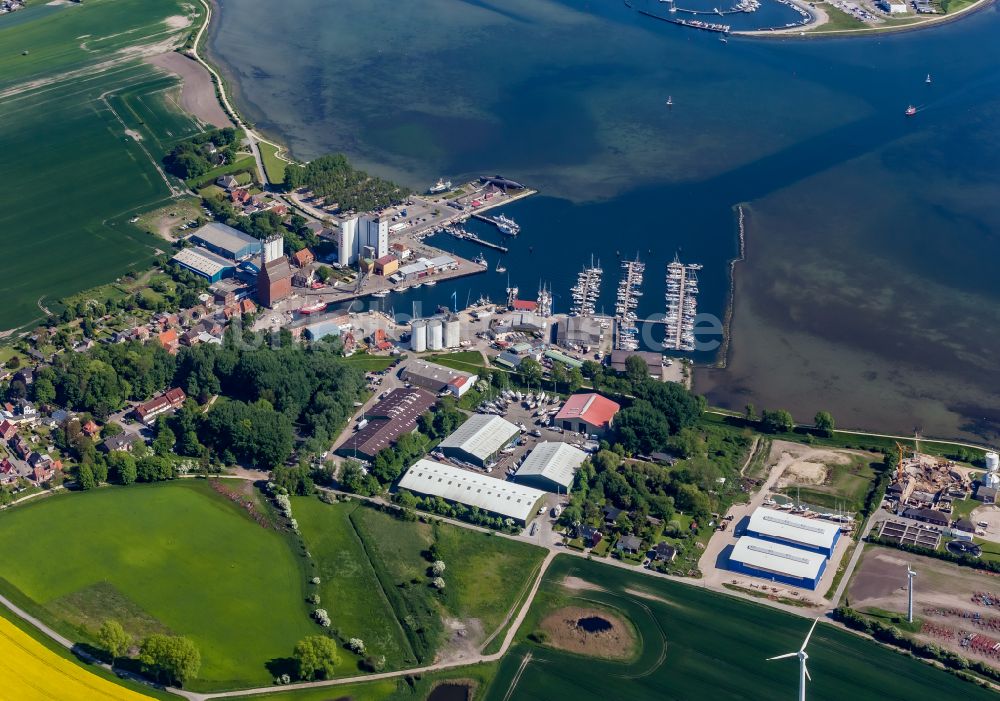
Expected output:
(197, 90)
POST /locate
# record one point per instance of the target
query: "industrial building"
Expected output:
(324, 329)
(227, 241)
(274, 281)
(654, 361)
(391, 418)
(551, 466)
(788, 529)
(587, 413)
(437, 378)
(505, 499)
(777, 562)
(362, 237)
(436, 333)
(580, 332)
(203, 262)
(480, 439)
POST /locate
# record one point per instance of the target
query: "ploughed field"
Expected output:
(76, 176)
(699, 644)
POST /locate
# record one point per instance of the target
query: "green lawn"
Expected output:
(174, 557)
(274, 167)
(369, 363)
(961, 508)
(698, 644)
(467, 361)
(350, 591)
(75, 174)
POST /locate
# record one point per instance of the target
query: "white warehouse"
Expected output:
(454, 484)
(551, 466)
(480, 439)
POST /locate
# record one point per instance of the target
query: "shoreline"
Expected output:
(813, 30)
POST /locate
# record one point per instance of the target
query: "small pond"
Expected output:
(594, 624)
(450, 692)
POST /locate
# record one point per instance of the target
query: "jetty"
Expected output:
(682, 305)
(586, 290)
(463, 235)
(629, 290)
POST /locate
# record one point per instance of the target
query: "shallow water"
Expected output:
(869, 288)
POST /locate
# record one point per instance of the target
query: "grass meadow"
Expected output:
(172, 557)
(74, 175)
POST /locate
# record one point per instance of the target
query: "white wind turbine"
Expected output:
(803, 656)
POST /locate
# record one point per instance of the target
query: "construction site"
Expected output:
(928, 482)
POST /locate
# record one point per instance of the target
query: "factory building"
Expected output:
(480, 439)
(437, 378)
(777, 562)
(391, 418)
(360, 233)
(551, 467)
(203, 262)
(500, 498)
(587, 413)
(227, 241)
(274, 281)
(788, 529)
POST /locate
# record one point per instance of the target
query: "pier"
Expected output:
(463, 235)
(586, 290)
(626, 304)
(682, 305)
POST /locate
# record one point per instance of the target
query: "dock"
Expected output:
(626, 337)
(682, 305)
(463, 235)
(587, 290)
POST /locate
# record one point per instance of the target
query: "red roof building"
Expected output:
(7, 430)
(91, 429)
(587, 413)
(525, 305)
(168, 401)
(169, 340)
(303, 258)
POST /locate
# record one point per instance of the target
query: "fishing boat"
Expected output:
(480, 260)
(910, 111)
(506, 225)
(313, 308)
(431, 283)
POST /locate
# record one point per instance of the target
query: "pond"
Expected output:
(450, 692)
(594, 624)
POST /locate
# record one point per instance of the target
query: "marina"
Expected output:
(629, 290)
(587, 290)
(682, 305)
(464, 235)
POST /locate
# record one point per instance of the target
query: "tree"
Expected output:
(163, 444)
(44, 390)
(636, 369)
(824, 423)
(172, 658)
(124, 466)
(530, 371)
(316, 656)
(776, 421)
(113, 638)
(750, 412)
(85, 477)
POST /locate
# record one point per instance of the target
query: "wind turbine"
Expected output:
(803, 656)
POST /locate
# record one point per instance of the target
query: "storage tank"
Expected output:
(992, 462)
(992, 480)
(418, 336)
(452, 332)
(435, 334)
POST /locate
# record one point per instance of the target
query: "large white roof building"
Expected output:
(783, 563)
(551, 466)
(782, 527)
(472, 489)
(480, 439)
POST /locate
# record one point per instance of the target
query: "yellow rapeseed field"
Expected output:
(31, 672)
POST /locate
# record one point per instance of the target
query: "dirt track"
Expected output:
(197, 90)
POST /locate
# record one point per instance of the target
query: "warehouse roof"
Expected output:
(482, 435)
(226, 238)
(554, 461)
(201, 260)
(389, 419)
(471, 489)
(592, 408)
(778, 524)
(777, 558)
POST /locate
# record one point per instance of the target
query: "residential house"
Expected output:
(91, 429)
(302, 258)
(664, 552)
(611, 514)
(8, 472)
(171, 400)
(123, 442)
(8, 429)
(227, 182)
(169, 340)
(628, 545)
(589, 535)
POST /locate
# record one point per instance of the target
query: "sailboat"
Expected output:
(928, 79)
(670, 100)
(500, 268)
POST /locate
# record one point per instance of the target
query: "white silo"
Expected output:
(418, 336)
(435, 334)
(992, 462)
(452, 332)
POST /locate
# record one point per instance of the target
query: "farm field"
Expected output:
(699, 644)
(32, 672)
(76, 175)
(171, 557)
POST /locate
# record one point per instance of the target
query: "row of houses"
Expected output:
(35, 466)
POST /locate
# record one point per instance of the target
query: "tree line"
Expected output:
(337, 181)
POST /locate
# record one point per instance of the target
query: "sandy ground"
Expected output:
(801, 464)
(616, 643)
(990, 515)
(464, 637)
(197, 91)
(943, 596)
(577, 584)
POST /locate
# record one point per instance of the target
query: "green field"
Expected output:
(172, 557)
(467, 361)
(274, 167)
(76, 176)
(376, 584)
(349, 589)
(701, 645)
